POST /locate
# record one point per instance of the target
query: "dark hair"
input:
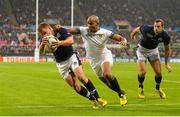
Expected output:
(159, 20)
(93, 18)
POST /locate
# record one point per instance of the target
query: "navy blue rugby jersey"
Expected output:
(63, 52)
(150, 40)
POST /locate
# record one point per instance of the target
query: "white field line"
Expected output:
(172, 81)
(109, 105)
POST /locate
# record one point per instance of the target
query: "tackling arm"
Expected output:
(74, 31)
(119, 39)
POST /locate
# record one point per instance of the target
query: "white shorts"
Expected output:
(150, 54)
(96, 62)
(65, 67)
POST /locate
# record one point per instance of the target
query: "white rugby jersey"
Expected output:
(95, 43)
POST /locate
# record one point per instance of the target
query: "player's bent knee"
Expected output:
(158, 74)
(77, 88)
(83, 79)
(106, 75)
(142, 73)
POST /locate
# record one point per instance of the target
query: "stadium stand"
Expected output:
(18, 16)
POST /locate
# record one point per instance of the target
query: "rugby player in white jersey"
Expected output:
(95, 39)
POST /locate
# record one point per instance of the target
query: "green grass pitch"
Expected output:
(38, 89)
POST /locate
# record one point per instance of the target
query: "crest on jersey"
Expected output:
(58, 35)
(101, 36)
(149, 35)
(160, 39)
(75, 63)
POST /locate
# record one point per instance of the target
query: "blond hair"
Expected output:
(42, 25)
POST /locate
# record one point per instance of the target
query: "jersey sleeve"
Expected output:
(144, 28)
(109, 33)
(64, 33)
(82, 30)
(167, 39)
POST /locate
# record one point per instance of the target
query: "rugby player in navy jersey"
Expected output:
(147, 49)
(68, 63)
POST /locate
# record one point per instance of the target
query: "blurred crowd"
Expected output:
(17, 20)
(136, 12)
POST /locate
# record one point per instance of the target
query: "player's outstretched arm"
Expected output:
(134, 32)
(167, 53)
(74, 31)
(119, 39)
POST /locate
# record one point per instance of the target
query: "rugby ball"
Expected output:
(51, 39)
